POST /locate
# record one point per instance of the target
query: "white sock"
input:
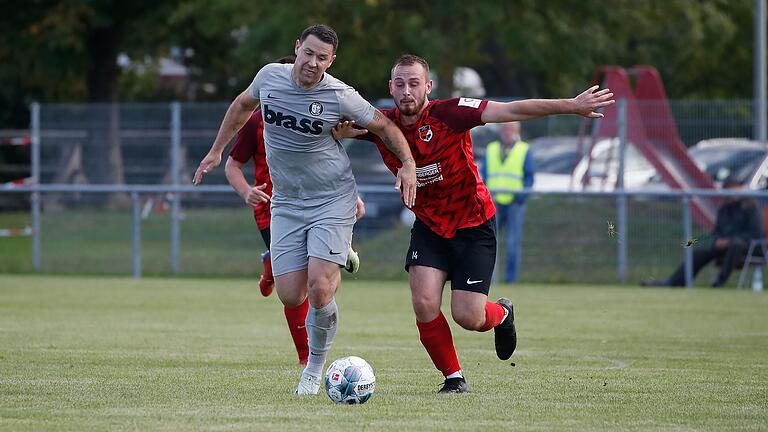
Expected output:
(456, 374)
(321, 329)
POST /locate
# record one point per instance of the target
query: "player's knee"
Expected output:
(292, 302)
(468, 319)
(319, 282)
(425, 308)
(321, 290)
(291, 291)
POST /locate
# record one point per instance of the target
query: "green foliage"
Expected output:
(521, 48)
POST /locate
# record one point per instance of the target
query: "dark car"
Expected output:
(375, 182)
(721, 158)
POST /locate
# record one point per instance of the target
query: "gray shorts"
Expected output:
(323, 232)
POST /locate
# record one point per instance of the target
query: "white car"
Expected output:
(759, 180)
(601, 173)
(554, 158)
(739, 158)
(562, 166)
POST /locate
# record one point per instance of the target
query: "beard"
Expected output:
(411, 107)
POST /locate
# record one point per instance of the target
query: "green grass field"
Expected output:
(87, 353)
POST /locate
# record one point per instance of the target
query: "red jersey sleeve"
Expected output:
(460, 114)
(248, 139)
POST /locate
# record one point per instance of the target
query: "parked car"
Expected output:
(383, 205)
(601, 173)
(759, 180)
(554, 158)
(562, 166)
(721, 158)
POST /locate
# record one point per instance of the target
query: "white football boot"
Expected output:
(308, 385)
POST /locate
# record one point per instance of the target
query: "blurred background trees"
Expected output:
(109, 50)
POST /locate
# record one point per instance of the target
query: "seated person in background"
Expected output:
(738, 222)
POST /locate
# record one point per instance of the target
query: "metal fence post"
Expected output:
(621, 200)
(688, 254)
(760, 73)
(136, 235)
(621, 228)
(176, 181)
(622, 129)
(35, 126)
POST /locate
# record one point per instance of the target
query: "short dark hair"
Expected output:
(411, 59)
(322, 32)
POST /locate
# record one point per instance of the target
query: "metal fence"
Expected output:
(111, 194)
(566, 240)
(162, 143)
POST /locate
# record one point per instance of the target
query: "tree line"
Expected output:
(68, 50)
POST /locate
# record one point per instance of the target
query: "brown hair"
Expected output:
(410, 59)
(322, 32)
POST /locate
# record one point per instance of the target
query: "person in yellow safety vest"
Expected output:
(509, 166)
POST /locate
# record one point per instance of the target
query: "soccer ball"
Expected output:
(350, 380)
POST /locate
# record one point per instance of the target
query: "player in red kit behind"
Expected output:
(454, 235)
(250, 145)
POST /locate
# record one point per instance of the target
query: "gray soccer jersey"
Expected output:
(307, 166)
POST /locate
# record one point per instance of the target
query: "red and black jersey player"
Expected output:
(454, 235)
(250, 145)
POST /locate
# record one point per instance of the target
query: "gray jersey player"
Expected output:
(314, 193)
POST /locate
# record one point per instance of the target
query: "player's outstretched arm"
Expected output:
(395, 141)
(586, 104)
(237, 114)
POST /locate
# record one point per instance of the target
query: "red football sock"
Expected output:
(268, 269)
(296, 318)
(494, 315)
(437, 339)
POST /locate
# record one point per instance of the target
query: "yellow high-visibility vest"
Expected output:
(505, 174)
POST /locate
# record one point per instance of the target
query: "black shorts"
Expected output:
(265, 236)
(468, 257)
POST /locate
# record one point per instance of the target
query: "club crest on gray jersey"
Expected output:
(305, 162)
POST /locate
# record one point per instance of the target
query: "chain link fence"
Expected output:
(114, 181)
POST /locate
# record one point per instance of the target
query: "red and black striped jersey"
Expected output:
(451, 195)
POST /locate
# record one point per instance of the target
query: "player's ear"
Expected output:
(333, 57)
(390, 88)
(429, 86)
(296, 48)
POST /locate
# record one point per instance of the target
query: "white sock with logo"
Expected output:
(321, 329)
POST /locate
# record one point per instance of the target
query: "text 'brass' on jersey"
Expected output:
(288, 121)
